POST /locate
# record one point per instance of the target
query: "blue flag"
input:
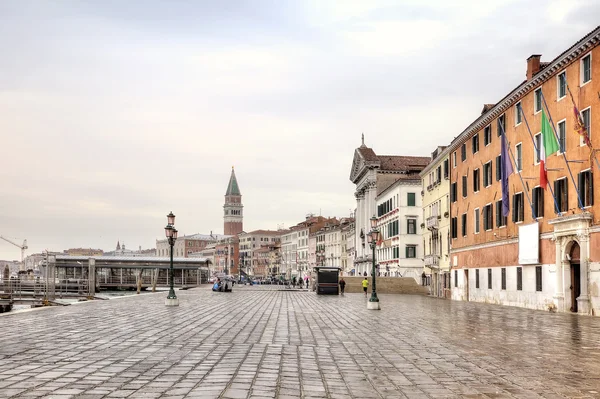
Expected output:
(506, 169)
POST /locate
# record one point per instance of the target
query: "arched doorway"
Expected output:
(574, 259)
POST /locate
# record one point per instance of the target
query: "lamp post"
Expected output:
(373, 303)
(171, 233)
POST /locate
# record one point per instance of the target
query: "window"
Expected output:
(454, 159)
(410, 199)
(475, 143)
(411, 251)
(476, 180)
(488, 217)
(489, 279)
(453, 192)
(518, 114)
(585, 115)
(456, 278)
(487, 135)
(477, 278)
(503, 278)
(446, 169)
(501, 125)
(463, 152)
(537, 106)
(538, 202)
(476, 221)
(518, 207)
(464, 224)
(464, 186)
(538, 278)
(537, 139)
(561, 193)
(586, 188)
(454, 227)
(411, 226)
(562, 136)
(487, 174)
(586, 69)
(519, 156)
(561, 85)
(498, 168)
(519, 278)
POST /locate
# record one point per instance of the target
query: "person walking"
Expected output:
(365, 285)
(342, 285)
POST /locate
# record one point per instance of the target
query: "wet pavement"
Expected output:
(261, 342)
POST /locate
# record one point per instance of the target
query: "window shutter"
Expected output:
(566, 205)
(534, 195)
(580, 187)
(591, 188)
(522, 207)
(514, 211)
(406, 252)
(557, 197)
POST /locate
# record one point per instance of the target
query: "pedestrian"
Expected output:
(342, 285)
(307, 282)
(365, 274)
(365, 284)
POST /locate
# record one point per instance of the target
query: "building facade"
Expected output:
(371, 174)
(252, 241)
(399, 251)
(187, 245)
(436, 221)
(545, 253)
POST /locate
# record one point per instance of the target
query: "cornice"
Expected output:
(590, 41)
(435, 162)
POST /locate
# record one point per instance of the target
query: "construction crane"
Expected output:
(23, 248)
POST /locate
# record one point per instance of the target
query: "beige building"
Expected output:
(435, 180)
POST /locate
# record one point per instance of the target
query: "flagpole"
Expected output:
(536, 150)
(588, 141)
(518, 172)
(563, 153)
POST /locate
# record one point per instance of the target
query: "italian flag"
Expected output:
(548, 146)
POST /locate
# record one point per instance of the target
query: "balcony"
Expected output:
(432, 223)
(432, 261)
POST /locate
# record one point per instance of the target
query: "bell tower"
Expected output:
(233, 215)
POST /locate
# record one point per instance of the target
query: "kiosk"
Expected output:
(327, 281)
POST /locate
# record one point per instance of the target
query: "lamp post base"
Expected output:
(373, 305)
(172, 302)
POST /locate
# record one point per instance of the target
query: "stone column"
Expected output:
(583, 302)
(559, 292)
(91, 277)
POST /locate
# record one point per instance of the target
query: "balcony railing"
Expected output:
(432, 222)
(432, 260)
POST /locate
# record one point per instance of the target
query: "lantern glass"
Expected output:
(169, 231)
(369, 238)
(175, 233)
(171, 218)
(373, 222)
(373, 234)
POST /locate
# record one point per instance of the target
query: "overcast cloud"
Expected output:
(114, 113)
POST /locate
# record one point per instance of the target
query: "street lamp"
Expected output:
(372, 239)
(171, 233)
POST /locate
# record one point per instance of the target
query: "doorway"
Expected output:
(575, 276)
(466, 285)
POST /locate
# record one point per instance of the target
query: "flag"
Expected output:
(580, 128)
(379, 238)
(548, 146)
(506, 170)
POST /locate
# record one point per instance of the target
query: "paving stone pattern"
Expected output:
(263, 343)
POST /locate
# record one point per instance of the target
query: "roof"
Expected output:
(232, 187)
(261, 232)
(151, 259)
(368, 154)
(403, 163)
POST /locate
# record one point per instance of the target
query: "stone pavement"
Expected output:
(263, 343)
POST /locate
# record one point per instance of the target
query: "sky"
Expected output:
(114, 113)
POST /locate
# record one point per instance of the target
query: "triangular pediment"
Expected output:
(358, 163)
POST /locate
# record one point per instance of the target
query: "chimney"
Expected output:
(533, 65)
